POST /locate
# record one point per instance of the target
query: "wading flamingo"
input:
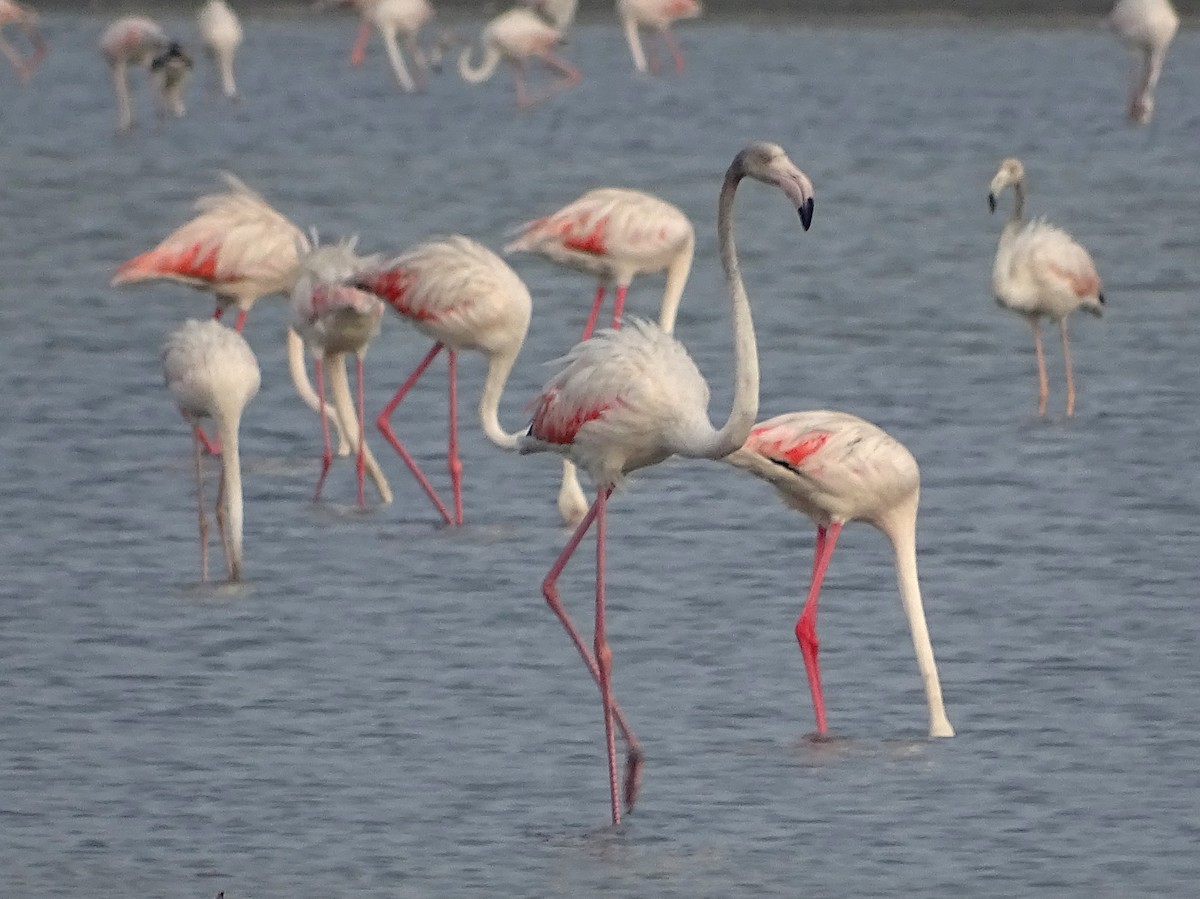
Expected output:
(396, 21)
(836, 468)
(13, 13)
(335, 319)
(465, 297)
(614, 234)
(1041, 271)
(631, 398)
(516, 36)
(239, 249)
(212, 373)
(171, 70)
(130, 41)
(657, 15)
(1147, 28)
(221, 35)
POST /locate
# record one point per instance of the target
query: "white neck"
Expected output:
(635, 44)
(499, 367)
(677, 276)
(231, 487)
(339, 386)
(487, 66)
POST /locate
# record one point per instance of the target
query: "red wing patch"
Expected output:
(559, 426)
(192, 262)
(592, 242)
(1082, 285)
(789, 451)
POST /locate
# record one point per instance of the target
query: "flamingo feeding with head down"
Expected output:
(171, 70)
(1041, 271)
(335, 319)
(465, 297)
(212, 373)
(221, 35)
(1147, 28)
(657, 15)
(516, 36)
(130, 41)
(837, 468)
(614, 234)
(239, 249)
(13, 13)
(629, 398)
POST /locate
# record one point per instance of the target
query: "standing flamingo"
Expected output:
(836, 468)
(130, 41)
(335, 319)
(1147, 28)
(239, 249)
(395, 20)
(1041, 271)
(465, 297)
(614, 234)
(13, 13)
(630, 398)
(221, 34)
(656, 14)
(517, 35)
(212, 373)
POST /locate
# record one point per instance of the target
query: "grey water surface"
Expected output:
(387, 708)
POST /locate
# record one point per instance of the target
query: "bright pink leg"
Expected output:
(594, 315)
(806, 626)
(452, 459)
(676, 51)
(360, 467)
(327, 452)
(604, 657)
(383, 422)
(633, 759)
(619, 305)
(241, 321)
(359, 51)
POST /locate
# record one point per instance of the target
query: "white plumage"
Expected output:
(1147, 28)
(515, 36)
(221, 35)
(656, 15)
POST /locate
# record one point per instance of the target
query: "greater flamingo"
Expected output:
(130, 41)
(212, 373)
(335, 319)
(239, 249)
(13, 13)
(837, 468)
(1147, 28)
(221, 35)
(395, 20)
(629, 398)
(465, 297)
(516, 36)
(657, 15)
(171, 70)
(1040, 271)
(614, 234)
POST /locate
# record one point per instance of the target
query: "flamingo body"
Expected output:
(130, 41)
(221, 35)
(657, 15)
(1147, 28)
(24, 17)
(211, 372)
(515, 36)
(1040, 271)
(837, 468)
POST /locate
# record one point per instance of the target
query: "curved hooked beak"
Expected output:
(991, 202)
(796, 186)
(806, 210)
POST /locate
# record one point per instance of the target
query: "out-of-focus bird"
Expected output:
(837, 468)
(221, 35)
(131, 41)
(656, 15)
(13, 13)
(1040, 271)
(1147, 28)
(211, 372)
(171, 70)
(516, 36)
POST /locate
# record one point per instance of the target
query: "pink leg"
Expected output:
(452, 459)
(197, 434)
(633, 759)
(595, 313)
(359, 51)
(1043, 384)
(619, 306)
(218, 312)
(604, 657)
(327, 452)
(1062, 324)
(383, 422)
(360, 467)
(571, 76)
(240, 324)
(523, 99)
(673, 45)
(806, 626)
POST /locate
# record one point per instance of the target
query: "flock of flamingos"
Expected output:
(623, 398)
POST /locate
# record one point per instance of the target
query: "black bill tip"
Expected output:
(991, 202)
(806, 212)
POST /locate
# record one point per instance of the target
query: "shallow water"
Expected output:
(387, 708)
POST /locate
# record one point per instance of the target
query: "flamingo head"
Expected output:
(1011, 171)
(768, 163)
(1141, 108)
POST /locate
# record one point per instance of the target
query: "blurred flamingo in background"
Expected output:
(130, 41)
(465, 297)
(1147, 28)
(1041, 271)
(239, 249)
(335, 319)
(211, 372)
(614, 234)
(629, 398)
(657, 15)
(516, 36)
(170, 71)
(13, 13)
(221, 35)
(836, 468)
(396, 21)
